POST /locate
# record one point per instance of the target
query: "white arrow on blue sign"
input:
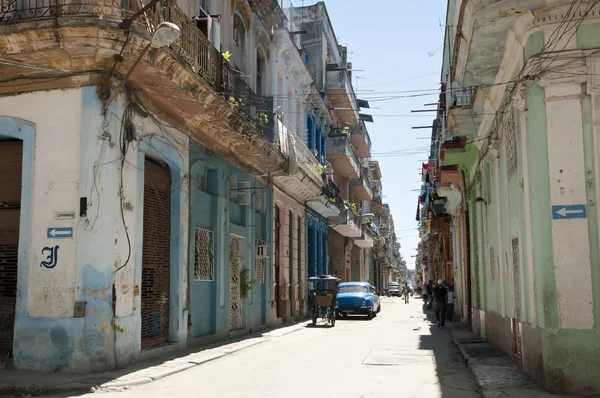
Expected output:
(60, 232)
(563, 212)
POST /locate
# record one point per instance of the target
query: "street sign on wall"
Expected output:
(564, 212)
(60, 232)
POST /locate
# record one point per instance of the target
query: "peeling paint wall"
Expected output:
(76, 155)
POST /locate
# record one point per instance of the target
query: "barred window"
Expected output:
(204, 263)
(510, 139)
(259, 264)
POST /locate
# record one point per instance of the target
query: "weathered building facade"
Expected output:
(514, 156)
(155, 193)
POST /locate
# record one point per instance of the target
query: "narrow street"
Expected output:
(399, 353)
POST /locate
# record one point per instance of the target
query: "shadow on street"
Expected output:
(456, 380)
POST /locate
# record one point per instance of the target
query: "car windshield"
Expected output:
(353, 289)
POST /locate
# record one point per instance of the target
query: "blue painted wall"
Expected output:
(212, 209)
(87, 344)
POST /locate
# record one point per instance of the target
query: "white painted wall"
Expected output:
(570, 238)
(55, 187)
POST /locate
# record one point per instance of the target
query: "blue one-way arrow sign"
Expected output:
(563, 212)
(60, 232)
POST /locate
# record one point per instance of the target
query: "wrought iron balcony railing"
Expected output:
(193, 47)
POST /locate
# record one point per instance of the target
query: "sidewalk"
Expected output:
(496, 375)
(17, 383)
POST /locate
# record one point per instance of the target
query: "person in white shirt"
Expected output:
(450, 303)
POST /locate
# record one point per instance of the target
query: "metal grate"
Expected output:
(204, 264)
(259, 264)
(235, 271)
(510, 139)
(11, 157)
(156, 256)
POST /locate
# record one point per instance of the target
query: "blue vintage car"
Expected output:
(357, 298)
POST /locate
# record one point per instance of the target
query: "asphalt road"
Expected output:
(400, 353)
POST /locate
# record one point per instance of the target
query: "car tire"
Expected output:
(370, 315)
(379, 308)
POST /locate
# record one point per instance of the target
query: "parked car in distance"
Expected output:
(357, 298)
(393, 289)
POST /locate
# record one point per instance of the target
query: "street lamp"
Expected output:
(166, 33)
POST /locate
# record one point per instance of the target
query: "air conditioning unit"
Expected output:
(243, 193)
(262, 251)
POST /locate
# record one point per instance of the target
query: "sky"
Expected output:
(398, 44)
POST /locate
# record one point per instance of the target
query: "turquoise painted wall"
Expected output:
(211, 209)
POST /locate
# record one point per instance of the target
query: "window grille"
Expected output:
(260, 264)
(204, 264)
(510, 140)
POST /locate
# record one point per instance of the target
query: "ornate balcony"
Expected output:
(342, 156)
(188, 85)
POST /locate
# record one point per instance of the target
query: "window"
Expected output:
(510, 140)
(259, 271)
(204, 265)
(259, 73)
(353, 289)
(209, 182)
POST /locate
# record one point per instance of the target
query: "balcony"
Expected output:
(362, 187)
(330, 203)
(462, 117)
(361, 140)
(366, 239)
(188, 85)
(377, 192)
(342, 156)
(341, 94)
(346, 224)
(375, 170)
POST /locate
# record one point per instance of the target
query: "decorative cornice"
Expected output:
(574, 74)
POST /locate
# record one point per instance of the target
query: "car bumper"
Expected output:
(394, 293)
(365, 309)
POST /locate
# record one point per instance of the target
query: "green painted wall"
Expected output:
(541, 213)
(526, 294)
(474, 261)
(588, 36)
(571, 361)
(467, 158)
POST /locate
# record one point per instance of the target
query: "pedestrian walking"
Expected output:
(405, 291)
(450, 303)
(440, 295)
(429, 294)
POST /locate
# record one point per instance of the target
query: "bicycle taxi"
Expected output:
(322, 298)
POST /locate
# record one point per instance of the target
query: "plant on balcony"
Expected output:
(319, 167)
(234, 103)
(226, 55)
(351, 206)
(262, 118)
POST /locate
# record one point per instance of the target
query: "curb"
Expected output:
(37, 391)
(152, 374)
